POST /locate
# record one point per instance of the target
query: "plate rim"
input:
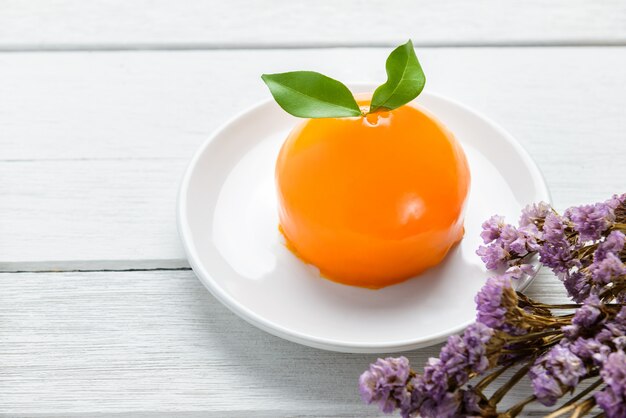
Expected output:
(292, 335)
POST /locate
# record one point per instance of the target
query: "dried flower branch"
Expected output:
(585, 248)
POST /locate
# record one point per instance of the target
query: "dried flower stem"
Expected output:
(487, 380)
(535, 335)
(583, 393)
(499, 394)
(583, 408)
(611, 292)
(561, 306)
(557, 346)
(571, 404)
(518, 407)
(561, 411)
(586, 251)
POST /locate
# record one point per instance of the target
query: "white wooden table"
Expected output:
(102, 104)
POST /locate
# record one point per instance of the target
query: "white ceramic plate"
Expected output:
(227, 218)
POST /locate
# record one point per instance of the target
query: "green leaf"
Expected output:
(307, 94)
(405, 80)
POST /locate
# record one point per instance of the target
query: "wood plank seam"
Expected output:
(201, 46)
(96, 270)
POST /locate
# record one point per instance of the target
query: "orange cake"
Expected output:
(372, 200)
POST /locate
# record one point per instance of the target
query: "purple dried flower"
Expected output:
(558, 256)
(533, 213)
(507, 243)
(620, 342)
(554, 228)
(613, 329)
(614, 243)
(586, 318)
(494, 256)
(492, 307)
(476, 337)
(528, 269)
(593, 341)
(462, 355)
(612, 400)
(492, 228)
(384, 383)
(607, 269)
(556, 246)
(616, 201)
(620, 318)
(495, 303)
(587, 315)
(590, 349)
(411, 404)
(556, 370)
(508, 234)
(525, 241)
(595, 346)
(453, 360)
(614, 371)
(590, 221)
(447, 405)
(519, 241)
(567, 367)
(471, 402)
(609, 333)
(577, 286)
(613, 405)
(545, 387)
(556, 251)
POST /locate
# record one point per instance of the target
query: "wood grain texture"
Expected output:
(164, 104)
(242, 23)
(93, 145)
(114, 343)
(116, 210)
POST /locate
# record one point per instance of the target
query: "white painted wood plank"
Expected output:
(82, 343)
(163, 105)
(93, 145)
(196, 23)
(59, 215)
(55, 214)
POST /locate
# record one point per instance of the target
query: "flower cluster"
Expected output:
(435, 393)
(613, 398)
(556, 372)
(509, 245)
(501, 308)
(586, 249)
(385, 383)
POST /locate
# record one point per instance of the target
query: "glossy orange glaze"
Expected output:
(372, 201)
